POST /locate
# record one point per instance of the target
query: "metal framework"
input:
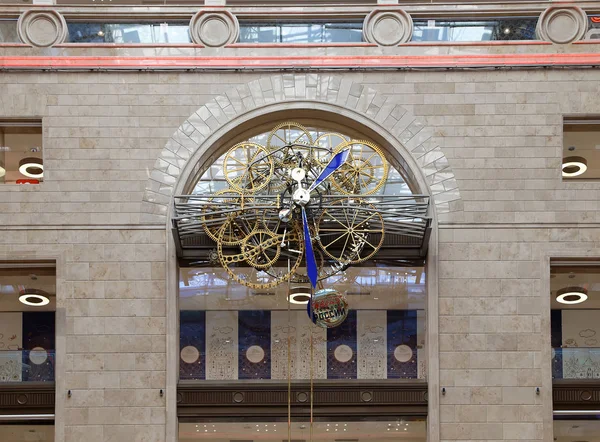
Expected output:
(296, 195)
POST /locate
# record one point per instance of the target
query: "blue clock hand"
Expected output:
(334, 164)
(311, 262)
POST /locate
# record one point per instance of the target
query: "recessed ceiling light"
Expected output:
(299, 295)
(33, 297)
(31, 167)
(573, 166)
(571, 295)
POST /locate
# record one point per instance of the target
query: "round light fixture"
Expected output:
(299, 295)
(573, 166)
(2, 169)
(571, 295)
(33, 297)
(31, 167)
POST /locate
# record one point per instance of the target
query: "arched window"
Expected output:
(289, 227)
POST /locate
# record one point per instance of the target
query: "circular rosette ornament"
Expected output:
(328, 308)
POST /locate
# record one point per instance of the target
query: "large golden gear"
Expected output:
(298, 141)
(350, 232)
(266, 257)
(249, 255)
(365, 170)
(330, 141)
(240, 223)
(288, 133)
(248, 167)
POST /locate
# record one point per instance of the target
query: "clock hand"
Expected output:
(334, 164)
(311, 262)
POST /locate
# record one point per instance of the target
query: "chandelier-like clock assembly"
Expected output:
(299, 209)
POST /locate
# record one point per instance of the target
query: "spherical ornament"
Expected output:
(328, 308)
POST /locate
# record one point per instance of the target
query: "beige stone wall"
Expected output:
(495, 328)
(501, 133)
(110, 329)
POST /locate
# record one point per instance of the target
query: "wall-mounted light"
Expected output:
(571, 295)
(299, 295)
(33, 297)
(2, 169)
(31, 167)
(573, 166)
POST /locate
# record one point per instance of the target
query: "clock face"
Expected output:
(298, 205)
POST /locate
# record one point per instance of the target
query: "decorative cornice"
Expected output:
(577, 394)
(329, 398)
(27, 397)
(246, 10)
(374, 62)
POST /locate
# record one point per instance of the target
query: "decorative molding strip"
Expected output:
(42, 28)
(330, 398)
(27, 398)
(310, 62)
(579, 394)
(214, 27)
(305, 9)
(388, 26)
(562, 24)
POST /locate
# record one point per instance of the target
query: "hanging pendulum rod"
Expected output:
(289, 356)
(312, 293)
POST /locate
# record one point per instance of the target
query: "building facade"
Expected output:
(487, 113)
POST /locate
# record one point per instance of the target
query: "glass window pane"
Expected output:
(574, 321)
(300, 32)
(27, 324)
(480, 30)
(128, 33)
(229, 331)
(581, 148)
(323, 429)
(21, 156)
(8, 31)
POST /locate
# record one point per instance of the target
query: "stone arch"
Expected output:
(413, 139)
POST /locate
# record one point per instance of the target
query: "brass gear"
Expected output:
(245, 256)
(284, 134)
(288, 132)
(364, 172)
(248, 167)
(328, 140)
(354, 227)
(266, 257)
(237, 226)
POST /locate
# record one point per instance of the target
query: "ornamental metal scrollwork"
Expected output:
(299, 207)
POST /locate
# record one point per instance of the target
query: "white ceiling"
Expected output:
(586, 277)
(577, 431)
(413, 431)
(12, 280)
(27, 433)
(371, 288)
(16, 144)
(587, 145)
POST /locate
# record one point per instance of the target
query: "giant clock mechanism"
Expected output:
(299, 208)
